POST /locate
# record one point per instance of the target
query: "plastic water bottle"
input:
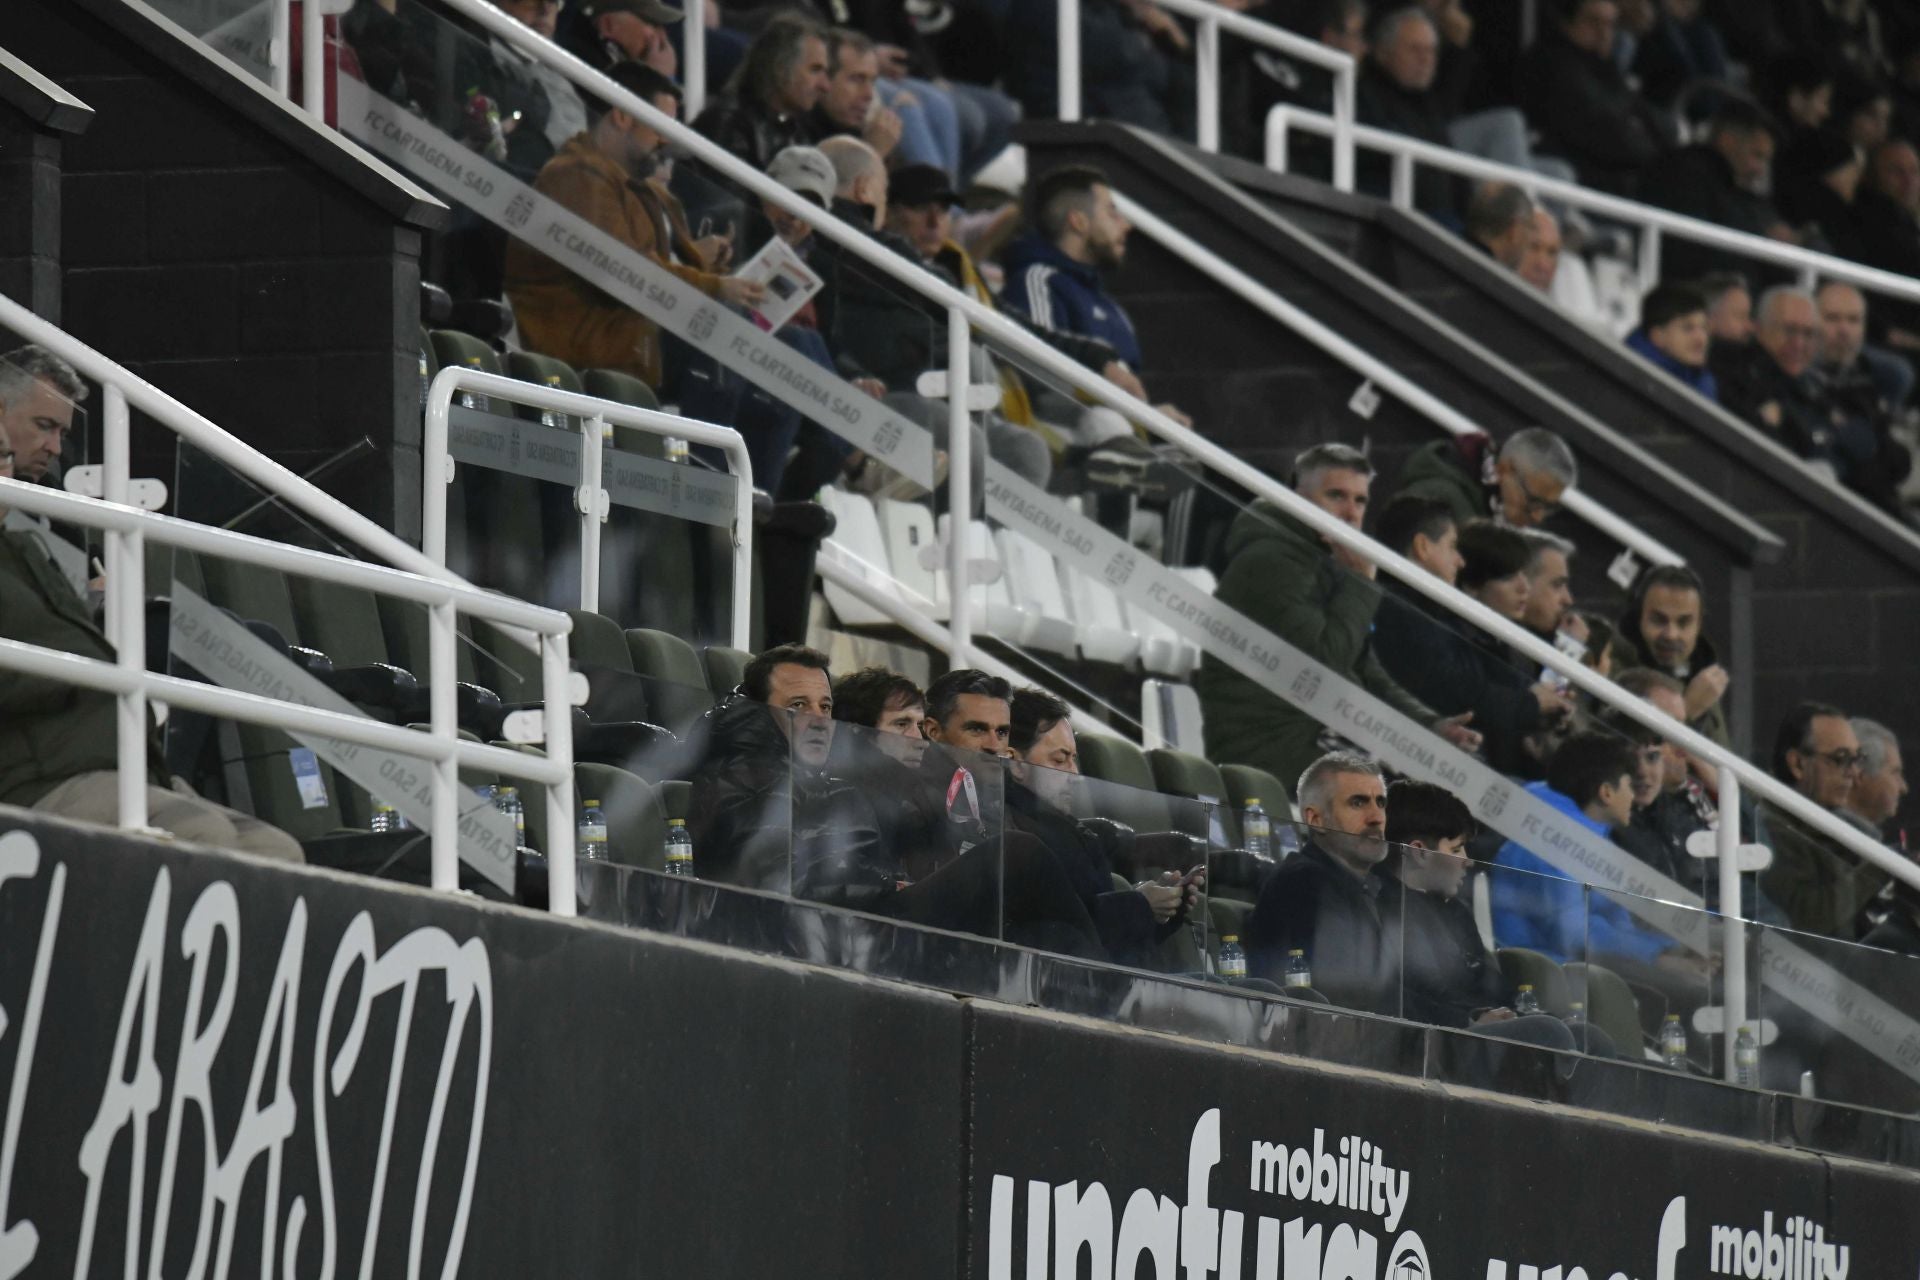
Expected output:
(553, 417)
(675, 448)
(507, 801)
(1233, 960)
(1673, 1043)
(1577, 1016)
(387, 818)
(1746, 1057)
(593, 833)
(1524, 1001)
(1298, 974)
(679, 848)
(1256, 832)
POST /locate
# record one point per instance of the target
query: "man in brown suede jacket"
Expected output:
(603, 176)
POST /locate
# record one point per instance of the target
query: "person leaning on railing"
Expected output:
(59, 742)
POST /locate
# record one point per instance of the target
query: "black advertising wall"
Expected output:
(214, 1067)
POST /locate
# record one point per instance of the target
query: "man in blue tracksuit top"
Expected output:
(1053, 276)
(1590, 780)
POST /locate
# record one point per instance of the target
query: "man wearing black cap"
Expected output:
(604, 32)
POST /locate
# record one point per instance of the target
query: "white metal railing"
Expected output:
(1652, 223)
(122, 391)
(1374, 369)
(127, 530)
(597, 419)
(966, 316)
(1209, 21)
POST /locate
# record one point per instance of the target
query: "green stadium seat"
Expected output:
(1244, 781)
(1192, 777)
(1611, 1005)
(1550, 986)
(1133, 798)
(636, 819)
(677, 681)
(451, 347)
(544, 370)
(726, 668)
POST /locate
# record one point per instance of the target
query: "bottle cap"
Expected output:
(1575, 1005)
(1297, 951)
(593, 804)
(1253, 799)
(1231, 937)
(676, 822)
(1526, 986)
(1673, 1017)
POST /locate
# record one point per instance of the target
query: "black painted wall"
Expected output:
(241, 259)
(29, 213)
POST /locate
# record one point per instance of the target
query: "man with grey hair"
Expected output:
(1550, 593)
(38, 393)
(1882, 781)
(1320, 600)
(1519, 486)
(1772, 386)
(1324, 900)
(1500, 222)
(1863, 390)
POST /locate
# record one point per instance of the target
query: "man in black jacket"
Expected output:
(1039, 800)
(765, 106)
(1325, 901)
(1576, 95)
(1888, 213)
(1726, 181)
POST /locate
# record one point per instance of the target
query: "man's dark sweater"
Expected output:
(1314, 904)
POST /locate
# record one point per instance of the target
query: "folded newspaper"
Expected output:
(789, 281)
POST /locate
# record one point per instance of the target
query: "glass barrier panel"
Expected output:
(1648, 961)
(1838, 1020)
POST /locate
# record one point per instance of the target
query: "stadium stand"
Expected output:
(451, 613)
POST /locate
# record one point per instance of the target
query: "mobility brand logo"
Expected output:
(1799, 1250)
(1068, 1222)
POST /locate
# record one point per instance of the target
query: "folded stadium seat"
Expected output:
(677, 682)
(1611, 1006)
(913, 549)
(726, 668)
(1550, 985)
(1033, 586)
(1133, 799)
(451, 347)
(992, 609)
(1170, 715)
(1162, 651)
(1099, 619)
(1181, 773)
(863, 552)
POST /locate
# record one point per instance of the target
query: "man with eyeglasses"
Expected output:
(1520, 485)
(1821, 886)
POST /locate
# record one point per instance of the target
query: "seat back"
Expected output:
(909, 532)
(857, 532)
(342, 622)
(1550, 987)
(1033, 587)
(1192, 777)
(451, 347)
(1134, 800)
(677, 682)
(612, 384)
(1170, 715)
(726, 668)
(544, 370)
(1244, 782)
(636, 821)
(504, 665)
(1099, 618)
(1611, 1005)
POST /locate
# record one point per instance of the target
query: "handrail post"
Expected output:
(740, 534)
(592, 501)
(558, 721)
(959, 487)
(1206, 78)
(1277, 137)
(1733, 976)
(693, 38)
(1402, 189)
(443, 721)
(436, 471)
(1649, 264)
(1069, 59)
(279, 42)
(126, 616)
(1344, 111)
(313, 59)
